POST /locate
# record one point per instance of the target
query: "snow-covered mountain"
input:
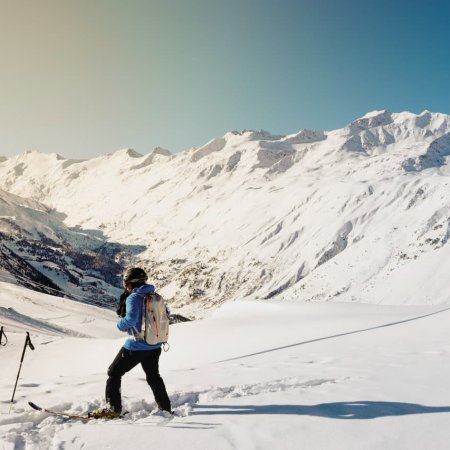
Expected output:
(350, 214)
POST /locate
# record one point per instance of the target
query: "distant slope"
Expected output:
(314, 215)
(15, 268)
(38, 251)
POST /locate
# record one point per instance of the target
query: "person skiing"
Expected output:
(134, 351)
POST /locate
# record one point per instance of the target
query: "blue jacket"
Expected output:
(133, 318)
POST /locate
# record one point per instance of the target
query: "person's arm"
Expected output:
(121, 307)
(132, 313)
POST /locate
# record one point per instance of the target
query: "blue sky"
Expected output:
(86, 77)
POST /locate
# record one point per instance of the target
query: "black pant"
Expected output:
(123, 363)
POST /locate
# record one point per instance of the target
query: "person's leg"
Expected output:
(123, 363)
(150, 363)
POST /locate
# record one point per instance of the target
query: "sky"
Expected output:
(87, 77)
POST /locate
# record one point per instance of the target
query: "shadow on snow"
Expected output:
(358, 410)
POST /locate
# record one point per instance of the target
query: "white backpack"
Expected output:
(155, 318)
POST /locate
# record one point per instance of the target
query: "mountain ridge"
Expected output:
(261, 215)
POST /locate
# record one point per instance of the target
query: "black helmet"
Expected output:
(134, 275)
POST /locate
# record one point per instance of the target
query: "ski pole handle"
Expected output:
(2, 333)
(29, 341)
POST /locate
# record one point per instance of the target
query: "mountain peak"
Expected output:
(128, 152)
(161, 151)
(370, 120)
(263, 135)
(132, 153)
(38, 153)
(374, 113)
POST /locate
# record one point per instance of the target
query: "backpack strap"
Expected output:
(140, 335)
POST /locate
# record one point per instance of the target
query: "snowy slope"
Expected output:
(348, 214)
(254, 375)
(48, 316)
(29, 219)
(38, 251)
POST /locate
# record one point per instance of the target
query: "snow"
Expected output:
(253, 375)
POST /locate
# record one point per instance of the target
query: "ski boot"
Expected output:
(104, 413)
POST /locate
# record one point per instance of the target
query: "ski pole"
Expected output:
(27, 344)
(2, 333)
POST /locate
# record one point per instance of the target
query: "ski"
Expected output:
(69, 415)
(60, 413)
